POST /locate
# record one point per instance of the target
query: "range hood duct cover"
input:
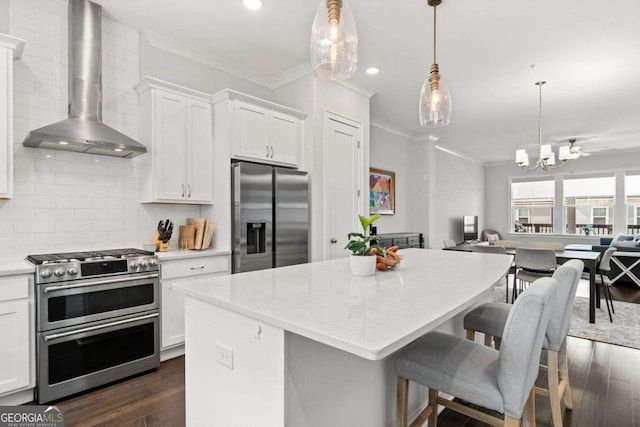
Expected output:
(84, 131)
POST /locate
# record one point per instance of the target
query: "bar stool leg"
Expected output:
(554, 387)
(433, 417)
(564, 375)
(402, 397)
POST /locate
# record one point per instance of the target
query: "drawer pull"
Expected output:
(197, 268)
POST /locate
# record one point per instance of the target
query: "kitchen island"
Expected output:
(312, 345)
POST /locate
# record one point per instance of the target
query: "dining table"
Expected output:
(589, 258)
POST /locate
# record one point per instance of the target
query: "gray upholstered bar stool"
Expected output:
(490, 319)
(532, 264)
(498, 380)
(493, 249)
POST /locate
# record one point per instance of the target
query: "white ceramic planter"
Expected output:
(363, 265)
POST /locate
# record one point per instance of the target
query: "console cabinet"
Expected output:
(177, 130)
(403, 240)
(176, 271)
(260, 130)
(10, 49)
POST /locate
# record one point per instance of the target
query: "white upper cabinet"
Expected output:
(177, 130)
(10, 49)
(260, 130)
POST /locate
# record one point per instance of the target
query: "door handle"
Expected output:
(272, 151)
(189, 190)
(334, 240)
(182, 190)
(95, 328)
(267, 151)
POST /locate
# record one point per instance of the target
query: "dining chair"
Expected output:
(498, 380)
(491, 318)
(493, 249)
(602, 279)
(449, 243)
(532, 264)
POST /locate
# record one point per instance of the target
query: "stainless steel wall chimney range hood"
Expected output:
(84, 131)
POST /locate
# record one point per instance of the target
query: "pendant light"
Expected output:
(435, 100)
(334, 41)
(547, 158)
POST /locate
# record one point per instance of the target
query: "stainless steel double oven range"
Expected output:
(97, 319)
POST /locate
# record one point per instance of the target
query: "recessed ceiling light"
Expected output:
(372, 71)
(117, 149)
(63, 143)
(252, 4)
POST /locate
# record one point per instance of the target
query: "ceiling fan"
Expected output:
(576, 151)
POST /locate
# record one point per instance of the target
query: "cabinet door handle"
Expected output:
(198, 268)
(267, 151)
(189, 190)
(182, 190)
(272, 151)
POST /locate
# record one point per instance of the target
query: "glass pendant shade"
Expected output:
(334, 41)
(435, 105)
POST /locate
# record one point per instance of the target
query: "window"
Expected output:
(532, 206)
(632, 200)
(588, 205)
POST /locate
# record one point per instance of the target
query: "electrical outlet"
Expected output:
(224, 355)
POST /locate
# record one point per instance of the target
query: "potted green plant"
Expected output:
(363, 262)
(587, 229)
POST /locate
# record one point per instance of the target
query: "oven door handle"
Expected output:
(48, 338)
(98, 282)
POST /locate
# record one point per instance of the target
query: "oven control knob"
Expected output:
(153, 262)
(72, 271)
(45, 273)
(144, 263)
(133, 264)
(59, 272)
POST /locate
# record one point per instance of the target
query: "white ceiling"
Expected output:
(587, 50)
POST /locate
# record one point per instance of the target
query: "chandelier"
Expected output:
(435, 100)
(334, 41)
(546, 157)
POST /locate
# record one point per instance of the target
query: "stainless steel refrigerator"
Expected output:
(270, 217)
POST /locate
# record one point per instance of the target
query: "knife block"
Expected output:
(163, 246)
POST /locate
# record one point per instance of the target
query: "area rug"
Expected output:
(624, 331)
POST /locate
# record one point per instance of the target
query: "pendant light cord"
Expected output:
(540, 114)
(434, 31)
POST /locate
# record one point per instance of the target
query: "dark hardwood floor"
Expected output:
(605, 381)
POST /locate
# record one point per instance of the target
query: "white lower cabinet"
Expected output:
(172, 273)
(17, 353)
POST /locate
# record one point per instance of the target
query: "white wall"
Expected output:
(4, 16)
(167, 66)
(315, 96)
(69, 201)
(407, 158)
(497, 212)
(459, 190)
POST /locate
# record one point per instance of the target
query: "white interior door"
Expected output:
(343, 174)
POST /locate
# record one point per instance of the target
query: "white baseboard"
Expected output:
(171, 352)
(17, 398)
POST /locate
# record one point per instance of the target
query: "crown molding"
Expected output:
(380, 124)
(170, 45)
(291, 75)
(357, 88)
(13, 43)
(459, 155)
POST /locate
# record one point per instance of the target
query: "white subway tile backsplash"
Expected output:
(66, 201)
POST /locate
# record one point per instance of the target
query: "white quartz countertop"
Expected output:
(171, 255)
(18, 267)
(371, 317)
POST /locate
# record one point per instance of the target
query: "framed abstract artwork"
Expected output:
(382, 192)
